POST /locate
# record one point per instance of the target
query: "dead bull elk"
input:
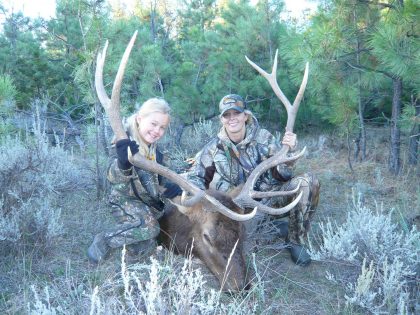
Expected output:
(209, 222)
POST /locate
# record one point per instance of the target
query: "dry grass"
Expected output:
(62, 280)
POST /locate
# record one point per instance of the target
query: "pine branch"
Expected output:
(364, 68)
(354, 52)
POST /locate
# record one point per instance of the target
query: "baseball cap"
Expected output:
(232, 101)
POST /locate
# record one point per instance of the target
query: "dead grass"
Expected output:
(288, 289)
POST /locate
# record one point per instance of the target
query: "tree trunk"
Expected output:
(362, 134)
(152, 21)
(414, 135)
(394, 158)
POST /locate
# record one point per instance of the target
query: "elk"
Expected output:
(208, 222)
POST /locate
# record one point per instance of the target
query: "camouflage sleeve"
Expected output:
(115, 175)
(202, 172)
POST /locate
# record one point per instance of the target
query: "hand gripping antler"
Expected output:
(245, 198)
(112, 109)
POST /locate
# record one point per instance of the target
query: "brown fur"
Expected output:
(214, 236)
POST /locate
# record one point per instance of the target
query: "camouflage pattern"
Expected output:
(224, 165)
(300, 216)
(137, 219)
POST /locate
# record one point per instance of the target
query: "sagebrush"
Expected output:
(388, 257)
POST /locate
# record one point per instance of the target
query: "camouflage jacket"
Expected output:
(135, 184)
(223, 165)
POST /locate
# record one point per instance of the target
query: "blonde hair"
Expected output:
(152, 105)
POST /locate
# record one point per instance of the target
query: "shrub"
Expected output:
(389, 257)
(194, 138)
(7, 90)
(168, 288)
(160, 286)
(33, 174)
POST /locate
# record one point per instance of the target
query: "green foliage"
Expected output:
(409, 118)
(194, 58)
(7, 90)
(395, 45)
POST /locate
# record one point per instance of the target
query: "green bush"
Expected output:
(7, 90)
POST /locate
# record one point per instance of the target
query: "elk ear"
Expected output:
(177, 202)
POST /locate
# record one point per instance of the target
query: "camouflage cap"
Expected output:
(232, 101)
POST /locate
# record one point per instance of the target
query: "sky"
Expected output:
(46, 8)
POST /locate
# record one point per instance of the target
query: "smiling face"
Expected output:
(152, 126)
(234, 123)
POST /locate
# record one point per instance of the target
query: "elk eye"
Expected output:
(207, 238)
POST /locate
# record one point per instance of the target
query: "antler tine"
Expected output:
(296, 103)
(302, 87)
(116, 89)
(269, 194)
(209, 202)
(274, 211)
(244, 199)
(272, 79)
(265, 165)
(99, 83)
(112, 106)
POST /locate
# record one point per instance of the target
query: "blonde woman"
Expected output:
(135, 197)
(241, 145)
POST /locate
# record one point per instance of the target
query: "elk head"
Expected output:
(213, 237)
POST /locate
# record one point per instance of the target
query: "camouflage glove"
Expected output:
(172, 190)
(122, 152)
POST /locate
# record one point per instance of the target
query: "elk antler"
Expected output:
(112, 109)
(272, 79)
(245, 197)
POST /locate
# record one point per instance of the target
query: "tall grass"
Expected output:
(171, 286)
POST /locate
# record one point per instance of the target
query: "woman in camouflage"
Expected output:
(226, 162)
(136, 199)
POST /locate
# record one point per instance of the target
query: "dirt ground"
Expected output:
(288, 289)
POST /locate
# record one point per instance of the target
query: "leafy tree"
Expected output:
(23, 58)
(254, 32)
(396, 48)
(190, 88)
(355, 48)
(336, 47)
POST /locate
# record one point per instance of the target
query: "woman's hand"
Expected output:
(122, 152)
(290, 139)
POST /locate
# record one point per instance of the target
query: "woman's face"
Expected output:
(234, 121)
(153, 126)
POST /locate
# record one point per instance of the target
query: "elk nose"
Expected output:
(248, 286)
